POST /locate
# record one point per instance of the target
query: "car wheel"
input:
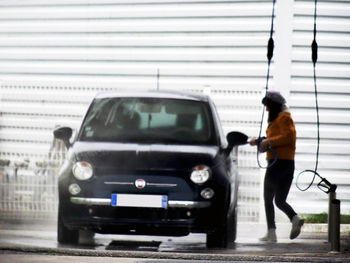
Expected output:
(232, 227)
(217, 239)
(65, 235)
(224, 234)
(86, 237)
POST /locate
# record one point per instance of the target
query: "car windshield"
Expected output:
(148, 120)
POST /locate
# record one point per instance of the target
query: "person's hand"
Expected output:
(252, 141)
(264, 145)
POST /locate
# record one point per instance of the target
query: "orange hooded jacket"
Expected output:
(282, 137)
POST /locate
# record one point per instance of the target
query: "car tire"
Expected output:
(217, 239)
(225, 234)
(232, 227)
(86, 237)
(65, 235)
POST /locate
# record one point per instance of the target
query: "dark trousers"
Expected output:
(278, 179)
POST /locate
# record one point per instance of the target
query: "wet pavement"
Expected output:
(310, 246)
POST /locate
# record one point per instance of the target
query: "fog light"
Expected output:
(207, 193)
(74, 189)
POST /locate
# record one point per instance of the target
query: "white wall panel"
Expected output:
(85, 11)
(113, 2)
(134, 26)
(218, 55)
(180, 69)
(123, 40)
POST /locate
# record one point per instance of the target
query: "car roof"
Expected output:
(166, 94)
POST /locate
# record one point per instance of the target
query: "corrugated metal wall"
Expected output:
(333, 84)
(55, 55)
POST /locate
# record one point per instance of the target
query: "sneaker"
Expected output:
(270, 236)
(297, 223)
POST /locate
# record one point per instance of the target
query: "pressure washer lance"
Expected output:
(259, 140)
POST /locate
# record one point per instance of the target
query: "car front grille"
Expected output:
(147, 214)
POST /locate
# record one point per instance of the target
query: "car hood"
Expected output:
(126, 156)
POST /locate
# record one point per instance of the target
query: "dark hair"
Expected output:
(274, 109)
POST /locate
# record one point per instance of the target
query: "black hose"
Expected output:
(314, 56)
(270, 48)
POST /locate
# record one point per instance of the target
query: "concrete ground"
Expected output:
(33, 243)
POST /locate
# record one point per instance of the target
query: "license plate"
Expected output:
(132, 200)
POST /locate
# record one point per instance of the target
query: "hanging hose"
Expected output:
(270, 48)
(323, 185)
(314, 49)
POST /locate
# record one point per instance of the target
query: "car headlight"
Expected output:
(82, 171)
(200, 174)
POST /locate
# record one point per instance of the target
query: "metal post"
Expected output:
(335, 227)
(331, 197)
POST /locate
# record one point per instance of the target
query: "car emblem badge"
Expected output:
(140, 183)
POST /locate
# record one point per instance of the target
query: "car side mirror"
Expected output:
(64, 134)
(235, 139)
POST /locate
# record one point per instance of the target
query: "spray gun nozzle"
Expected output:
(325, 186)
(259, 140)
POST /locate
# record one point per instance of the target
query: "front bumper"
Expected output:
(178, 219)
(171, 203)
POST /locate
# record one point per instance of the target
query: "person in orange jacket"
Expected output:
(280, 140)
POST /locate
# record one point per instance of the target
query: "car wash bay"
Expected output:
(55, 56)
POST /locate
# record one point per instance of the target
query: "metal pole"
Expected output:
(331, 197)
(335, 227)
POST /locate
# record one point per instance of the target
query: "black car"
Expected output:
(149, 163)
